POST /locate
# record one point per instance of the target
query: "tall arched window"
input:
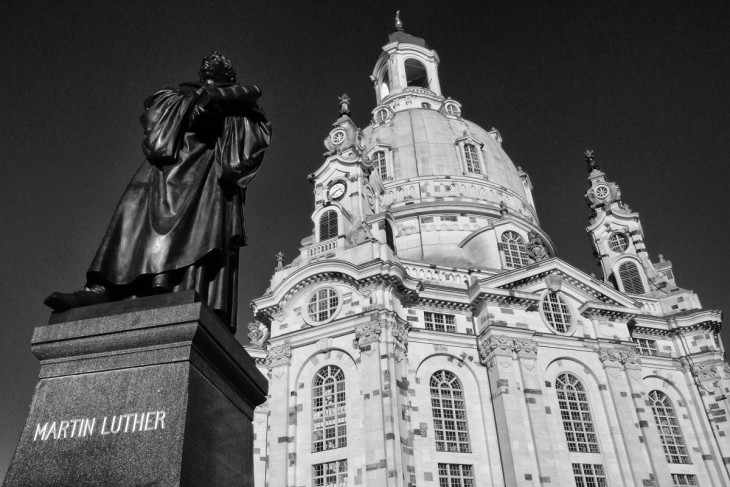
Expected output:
(471, 157)
(328, 225)
(576, 415)
(669, 431)
(329, 428)
(379, 163)
(449, 413)
(389, 240)
(385, 85)
(631, 278)
(515, 251)
(416, 73)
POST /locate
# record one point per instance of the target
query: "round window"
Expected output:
(453, 109)
(556, 313)
(323, 304)
(618, 242)
(601, 192)
(381, 115)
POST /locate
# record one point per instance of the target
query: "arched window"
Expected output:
(630, 277)
(515, 251)
(471, 157)
(556, 312)
(385, 85)
(449, 413)
(415, 73)
(379, 163)
(669, 431)
(389, 240)
(328, 225)
(576, 414)
(329, 421)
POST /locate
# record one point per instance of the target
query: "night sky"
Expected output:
(644, 84)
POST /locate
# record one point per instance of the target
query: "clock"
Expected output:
(337, 190)
(337, 137)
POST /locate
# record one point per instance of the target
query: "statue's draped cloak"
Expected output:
(182, 213)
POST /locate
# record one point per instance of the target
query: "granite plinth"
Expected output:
(147, 392)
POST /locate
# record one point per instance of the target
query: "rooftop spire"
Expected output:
(398, 23)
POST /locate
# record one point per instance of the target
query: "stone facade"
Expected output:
(426, 330)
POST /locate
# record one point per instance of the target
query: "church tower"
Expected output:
(426, 334)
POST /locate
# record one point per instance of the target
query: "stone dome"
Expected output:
(425, 142)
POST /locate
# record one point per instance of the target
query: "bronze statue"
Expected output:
(179, 224)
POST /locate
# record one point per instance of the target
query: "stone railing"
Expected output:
(320, 248)
(447, 276)
(455, 189)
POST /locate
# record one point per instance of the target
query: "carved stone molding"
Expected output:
(258, 333)
(631, 360)
(609, 358)
(525, 348)
(368, 333)
(399, 331)
(495, 345)
(707, 373)
(504, 348)
(278, 355)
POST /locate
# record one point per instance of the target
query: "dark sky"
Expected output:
(644, 84)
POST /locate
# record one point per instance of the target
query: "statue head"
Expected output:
(216, 68)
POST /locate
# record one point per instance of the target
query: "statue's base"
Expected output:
(147, 392)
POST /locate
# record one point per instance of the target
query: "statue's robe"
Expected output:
(181, 217)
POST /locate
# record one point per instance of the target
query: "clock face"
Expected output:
(338, 137)
(337, 190)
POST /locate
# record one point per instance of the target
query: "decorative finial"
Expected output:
(398, 23)
(344, 104)
(591, 160)
(280, 260)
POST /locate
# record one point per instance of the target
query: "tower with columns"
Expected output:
(427, 334)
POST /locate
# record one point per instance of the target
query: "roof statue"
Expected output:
(591, 160)
(398, 23)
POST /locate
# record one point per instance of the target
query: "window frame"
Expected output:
(453, 438)
(444, 322)
(590, 478)
(387, 151)
(586, 427)
(570, 312)
(461, 479)
(340, 388)
(664, 427)
(461, 144)
(508, 253)
(340, 474)
(320, 219)
(646, 346)
(615, 236)
(634, 279)
(308, 301)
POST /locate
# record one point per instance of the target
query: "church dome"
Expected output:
(426, 142)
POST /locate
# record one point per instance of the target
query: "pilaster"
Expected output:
(278, 361)
(517, 446)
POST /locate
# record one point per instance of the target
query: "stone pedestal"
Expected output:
(147, 392)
